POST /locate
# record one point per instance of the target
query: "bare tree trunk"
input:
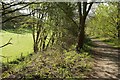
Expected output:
(118, 25)
(51, 39)
(83, 12)
(81, 35)
(118, 28)
(36, 31)
(119, 34)
(45, 37)
(41, 42)
(35, 48)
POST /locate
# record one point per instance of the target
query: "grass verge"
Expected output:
(21, 44)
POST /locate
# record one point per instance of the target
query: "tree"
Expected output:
(82, 19)
(8, 8)
(105, 21)
(63, 17)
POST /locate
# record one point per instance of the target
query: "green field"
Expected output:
(21, 43)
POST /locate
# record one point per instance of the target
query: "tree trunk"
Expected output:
(81, 35)
(118, 21)
(83, 12)
(35, 48)
(119, 34)
(43, 47)
(51, 39)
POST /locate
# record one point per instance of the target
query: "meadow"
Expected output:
(21, 44)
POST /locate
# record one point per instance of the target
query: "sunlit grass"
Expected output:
(21, 43)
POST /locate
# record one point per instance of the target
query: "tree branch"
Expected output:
(13, 4)
(14, 17)
(79, 8)
(16, 9)
(67, 15)
(84, 8)
(6, 43)
(91, 3)
(19, 3)
(3, 56)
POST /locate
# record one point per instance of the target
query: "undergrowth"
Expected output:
(51, 64)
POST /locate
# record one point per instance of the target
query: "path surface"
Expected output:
(106, 61)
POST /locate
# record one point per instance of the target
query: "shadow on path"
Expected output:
(106, 61)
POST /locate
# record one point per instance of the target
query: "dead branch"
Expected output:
(3, 56)
(6, 43)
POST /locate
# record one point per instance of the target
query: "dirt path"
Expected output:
(106, 61)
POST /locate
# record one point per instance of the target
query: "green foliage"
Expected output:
(49, 19)
(110, 41)
(104, 23)
(21, 31)
(53, 64)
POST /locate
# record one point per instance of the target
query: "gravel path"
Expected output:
(106, 61)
